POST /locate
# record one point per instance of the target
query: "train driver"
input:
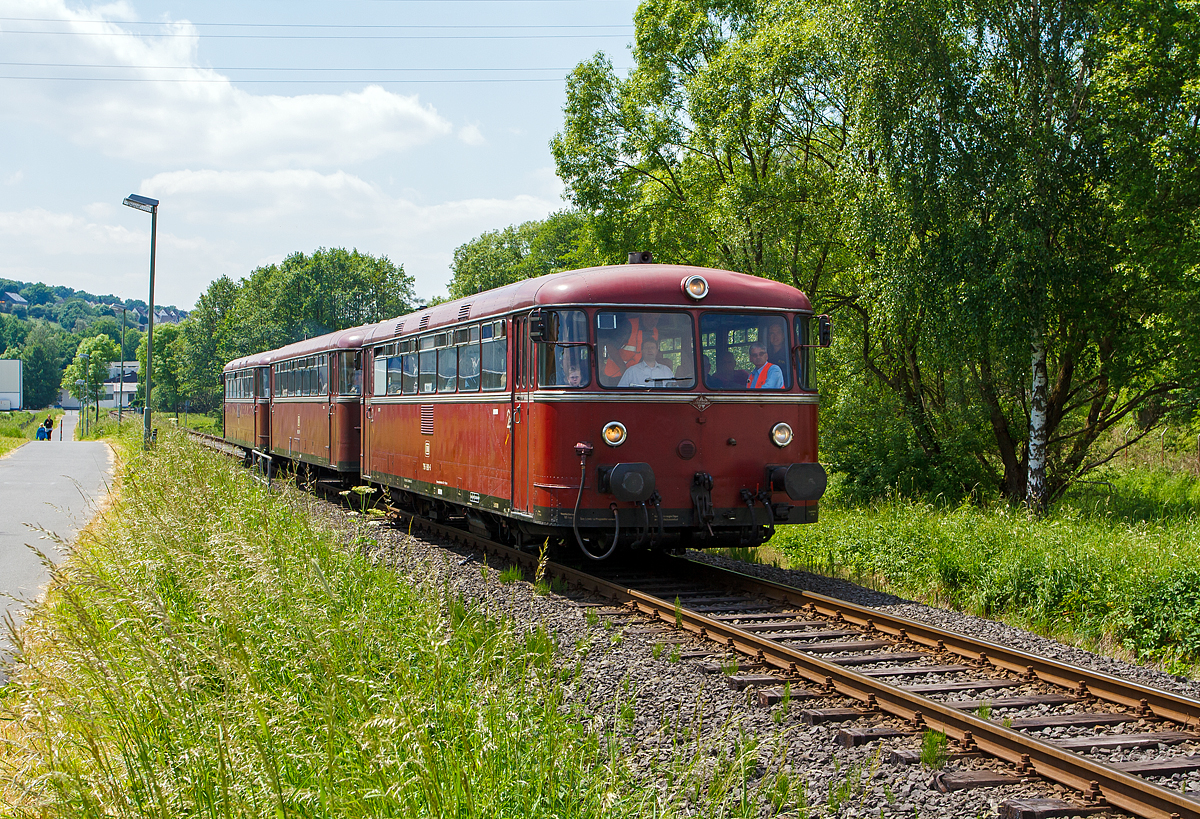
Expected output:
(648, 372)
(641, 326)
(766, 376)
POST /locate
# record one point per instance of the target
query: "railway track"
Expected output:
(898, 677)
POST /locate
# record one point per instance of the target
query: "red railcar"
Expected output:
(248, 402)
(673, 404)
(316, 388)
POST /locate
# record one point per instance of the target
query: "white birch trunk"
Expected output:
(1035, 484)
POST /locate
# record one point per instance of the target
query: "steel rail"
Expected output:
(1162, 704)
(1099, 783)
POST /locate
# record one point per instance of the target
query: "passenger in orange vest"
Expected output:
(630, 353)
(766, 376)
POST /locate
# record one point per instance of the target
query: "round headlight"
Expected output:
(696, 287)
(614, 433)
(781, 435)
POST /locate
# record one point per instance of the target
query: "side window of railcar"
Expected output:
(395, 375)
(380, 370)
(563, 359)
(427, 377)
(494, 354)
(467, 341)
(745, 351)
(349, 373)
(645, 350)
(447, 369)
(323, 374)
(806, 362)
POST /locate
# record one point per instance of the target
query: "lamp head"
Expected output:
(145, 203)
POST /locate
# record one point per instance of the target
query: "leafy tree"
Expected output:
(37, 294)
(90, 373)
(166, 394)
(42, 366)
(1008, 186)
(560, 242)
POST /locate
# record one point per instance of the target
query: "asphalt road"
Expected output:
(55, 486)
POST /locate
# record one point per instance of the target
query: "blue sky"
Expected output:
(275, 126)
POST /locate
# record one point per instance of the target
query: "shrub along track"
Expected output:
(807, 646)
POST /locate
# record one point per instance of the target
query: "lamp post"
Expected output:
(87, 388)
(121, 400)
(150, 206)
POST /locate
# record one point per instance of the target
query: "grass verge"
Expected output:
(209, 650)
(1120, 566)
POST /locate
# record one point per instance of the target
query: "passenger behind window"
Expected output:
(468, 368)
(777, 351)
(647, 372)
(727, 375)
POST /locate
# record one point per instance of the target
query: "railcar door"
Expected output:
(521, 409)
(368, 389)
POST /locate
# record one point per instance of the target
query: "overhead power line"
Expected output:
(303, 25)
(323, 36)
(291, 82)
(270, 68)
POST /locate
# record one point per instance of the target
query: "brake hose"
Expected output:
(656, 499)
(583, 453)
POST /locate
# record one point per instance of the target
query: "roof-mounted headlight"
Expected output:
(781, 435)
(695, 286)
(614, 433)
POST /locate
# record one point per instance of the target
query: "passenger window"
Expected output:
(380, 378)
(468, 367)
(447, 369)
(394, 375)
(410, 373)
(349, 373)
(428, 379)
(495, 364)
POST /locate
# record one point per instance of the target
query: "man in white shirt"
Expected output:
(647, 372)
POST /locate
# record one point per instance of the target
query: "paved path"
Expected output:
(55, 486)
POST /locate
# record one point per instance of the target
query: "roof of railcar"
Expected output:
(351, 338)
(631, 284)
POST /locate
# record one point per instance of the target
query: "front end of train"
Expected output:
(677, 409)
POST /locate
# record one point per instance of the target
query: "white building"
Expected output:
(12, 382)
(114, 391)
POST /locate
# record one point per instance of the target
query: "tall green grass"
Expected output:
(210, 651)
(1122, 565)
(19, 426)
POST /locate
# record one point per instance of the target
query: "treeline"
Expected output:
(303, 296)
(997, 203)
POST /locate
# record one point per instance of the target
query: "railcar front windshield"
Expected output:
(645, 350)
(745, 351)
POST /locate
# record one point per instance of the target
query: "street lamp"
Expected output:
(121, 400)
(150, 206)
(86, 389)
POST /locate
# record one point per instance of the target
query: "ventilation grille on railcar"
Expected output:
(464, 311)
(399, 327)
(424, 322)
(427, 419)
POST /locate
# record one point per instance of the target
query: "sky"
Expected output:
(403, 128)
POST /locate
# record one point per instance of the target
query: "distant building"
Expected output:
(12, 382)
(114, 391)
(11, 301)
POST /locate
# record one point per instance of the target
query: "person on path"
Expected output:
(41, 433)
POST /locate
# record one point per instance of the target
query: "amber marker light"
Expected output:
(696, 287)
(781, 435)
(614, 433)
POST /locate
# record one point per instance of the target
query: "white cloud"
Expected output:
(214, 223)
(14, 178)
(205, 119)
(471, 135)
